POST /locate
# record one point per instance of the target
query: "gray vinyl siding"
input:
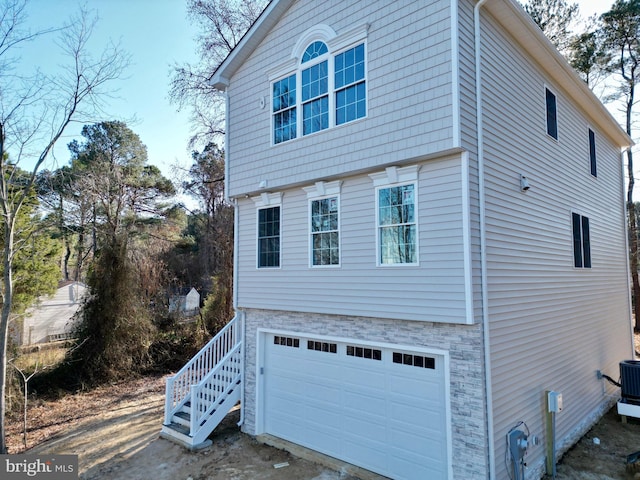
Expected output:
(409, 95)
(434, 291)
(551, 325)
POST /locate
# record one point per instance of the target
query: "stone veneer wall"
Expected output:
(466, 357)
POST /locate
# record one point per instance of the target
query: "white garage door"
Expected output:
(379, 408)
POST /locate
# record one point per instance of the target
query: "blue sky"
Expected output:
(156, 33)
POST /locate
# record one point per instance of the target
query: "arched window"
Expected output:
(324, 87)
(315, 88)
(316, 49)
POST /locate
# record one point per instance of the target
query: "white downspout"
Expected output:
(483, 244)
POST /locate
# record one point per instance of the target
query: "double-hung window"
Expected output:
(268, 235)
(397, 215)
(284, 109)
(324, 89)
(581, 241)
(325, 235)
(397, 230)
(324, 228)
(351, 95)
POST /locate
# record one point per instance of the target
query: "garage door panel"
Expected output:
(357, 402)
(327, 415)
(355, 368)
(363, 453)
(411, 416)
(418, 468)
(418, 379)
(383, 416)
(408, 443)
(372, 429)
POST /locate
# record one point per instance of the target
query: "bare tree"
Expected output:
(222, 24)
(621, 43)
(34, 113)
(555, 18)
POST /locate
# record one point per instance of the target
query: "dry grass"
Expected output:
(41, 358)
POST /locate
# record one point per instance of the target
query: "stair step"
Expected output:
(179, 428)
(183, 415)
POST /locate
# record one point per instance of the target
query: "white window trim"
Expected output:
(268, 200)
(396, 177)
(320, 191)
(336, 44)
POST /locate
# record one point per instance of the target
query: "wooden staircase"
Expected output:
(201, 394)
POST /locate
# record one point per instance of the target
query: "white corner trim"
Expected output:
(466, 238)
(321, 189)
(320, 32)
(394, 174)
(267, 199)
(455, 73)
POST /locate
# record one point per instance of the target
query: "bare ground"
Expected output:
(114, 431)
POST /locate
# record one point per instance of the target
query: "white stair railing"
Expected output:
(207, 395)
(178, 387)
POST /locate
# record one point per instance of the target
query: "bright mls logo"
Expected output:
(54, 467)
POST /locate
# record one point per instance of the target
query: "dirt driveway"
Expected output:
(118, 440)
(114, 431)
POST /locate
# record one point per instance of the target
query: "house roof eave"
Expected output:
(515, 20)
(248, 43)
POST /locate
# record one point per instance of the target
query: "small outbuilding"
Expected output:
(50, 319)
(185, 304)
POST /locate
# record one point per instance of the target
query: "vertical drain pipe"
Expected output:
(483, 257)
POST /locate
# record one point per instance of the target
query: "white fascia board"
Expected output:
(516, 21)
(247, 44)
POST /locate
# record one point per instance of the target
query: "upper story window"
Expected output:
(592, 153)
(552, 114)
(284, 109)
(351, 95)
(324, 87)
(581, 241)
(315, 89)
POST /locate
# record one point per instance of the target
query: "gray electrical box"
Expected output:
(554, 401)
